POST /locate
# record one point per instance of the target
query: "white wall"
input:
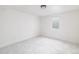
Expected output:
(16, 26)
(68, 27)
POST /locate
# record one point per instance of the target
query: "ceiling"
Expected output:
(50, 10)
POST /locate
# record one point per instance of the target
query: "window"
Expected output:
(55, 22)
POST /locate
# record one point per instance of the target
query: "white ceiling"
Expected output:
(50, 10)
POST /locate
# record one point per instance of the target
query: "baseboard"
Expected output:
(16, 42)
(65, 41)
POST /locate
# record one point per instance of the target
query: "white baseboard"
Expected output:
(65, 41)
(8, 44)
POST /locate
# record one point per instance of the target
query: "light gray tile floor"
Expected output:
(40, 45)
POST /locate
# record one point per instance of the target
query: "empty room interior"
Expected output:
(39, 29)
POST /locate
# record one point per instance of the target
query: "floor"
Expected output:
(41, 45)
